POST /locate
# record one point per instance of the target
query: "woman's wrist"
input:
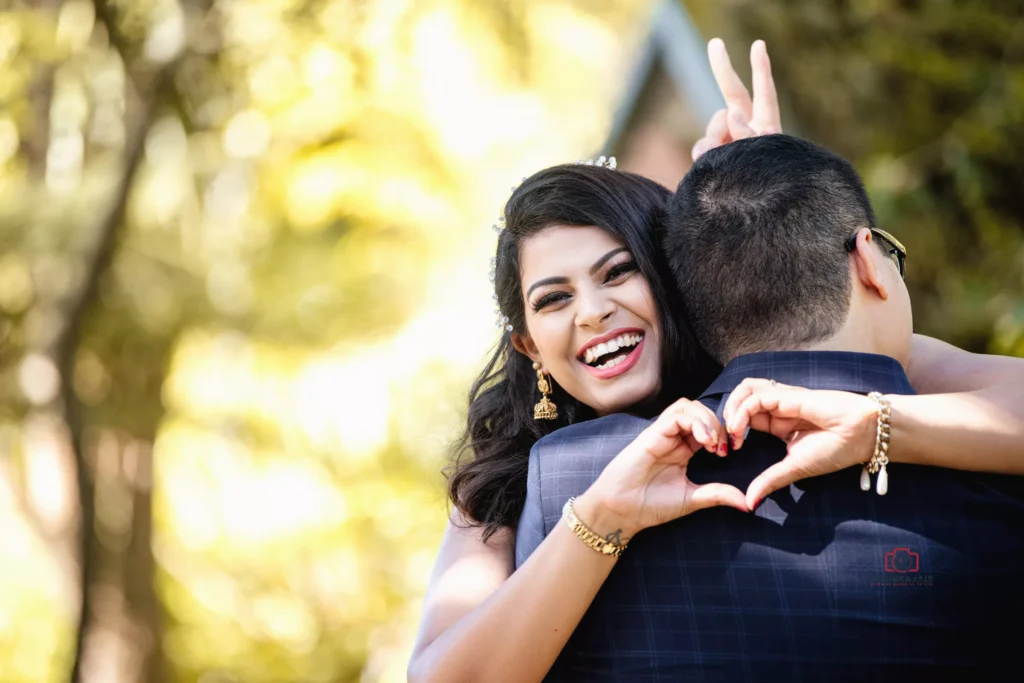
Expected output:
(867, 430)
(899, 437)
(594, 511)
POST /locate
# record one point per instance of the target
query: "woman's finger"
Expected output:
(715, 135)
(683, 419)
(713, 495)
(733, 90)
(698, 430)
(718, 432)
(786, 407)
(708, 417)
(692, 444)
(740, 393)
(778, 475)
(766, 118)
(744, 390)
(761, 401)
(717, 131)
(667, 431)
(702, 145)
(701, 429)
(739, 127)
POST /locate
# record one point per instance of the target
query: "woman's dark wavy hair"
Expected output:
(487, 475)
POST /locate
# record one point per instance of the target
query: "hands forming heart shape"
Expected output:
(646, 484)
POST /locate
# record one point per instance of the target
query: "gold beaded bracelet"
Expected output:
(591, 539)
(880, 458)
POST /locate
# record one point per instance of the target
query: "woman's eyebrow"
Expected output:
(604, 259)
(564, 280)
(547, 281)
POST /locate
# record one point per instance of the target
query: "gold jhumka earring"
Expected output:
(545, 410)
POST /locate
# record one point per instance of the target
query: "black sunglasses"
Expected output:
(893, 247)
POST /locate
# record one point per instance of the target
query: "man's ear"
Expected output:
(523, 343)
(864, 260)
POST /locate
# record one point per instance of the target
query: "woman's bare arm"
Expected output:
(969, 414)
(936, 367)
(481, 621)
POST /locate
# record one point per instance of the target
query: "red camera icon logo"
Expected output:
(902, 561)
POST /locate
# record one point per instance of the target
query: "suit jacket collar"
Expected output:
(860, 373)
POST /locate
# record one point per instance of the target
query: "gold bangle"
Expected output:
(585, 534)
(880, 458)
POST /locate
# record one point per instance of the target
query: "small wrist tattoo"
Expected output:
(615, 537)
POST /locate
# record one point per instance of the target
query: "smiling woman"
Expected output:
(579, 275)
(588, 324)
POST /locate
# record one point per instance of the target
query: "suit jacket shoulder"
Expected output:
(563, 464)
(607, 426)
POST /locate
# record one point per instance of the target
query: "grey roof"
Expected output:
(674, 43)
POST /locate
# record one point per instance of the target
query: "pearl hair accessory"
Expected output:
(606, 162)
(502, 320)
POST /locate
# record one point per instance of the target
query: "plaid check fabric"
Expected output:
(822, 582)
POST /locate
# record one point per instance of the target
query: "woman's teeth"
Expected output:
(623, 341)
(612, 363)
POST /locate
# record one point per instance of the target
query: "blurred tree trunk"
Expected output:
(73, 315)
(143, 605)
(121, 623)
(132, 567)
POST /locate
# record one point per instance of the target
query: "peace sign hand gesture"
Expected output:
(742, 117)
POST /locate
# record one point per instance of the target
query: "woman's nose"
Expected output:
(594, 310)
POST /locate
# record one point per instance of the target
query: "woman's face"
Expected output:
(591, 321)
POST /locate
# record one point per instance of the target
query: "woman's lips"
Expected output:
(628, 362)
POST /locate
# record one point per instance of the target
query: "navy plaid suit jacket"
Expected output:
(822, 582)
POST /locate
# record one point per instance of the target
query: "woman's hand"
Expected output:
(646, 483)
(824, 431)
(742, 117)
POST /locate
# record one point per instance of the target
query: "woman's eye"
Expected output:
(549, 299)
(619, 270)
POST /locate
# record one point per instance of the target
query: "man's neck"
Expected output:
(841, 342)
(852, 337)
(865, 331)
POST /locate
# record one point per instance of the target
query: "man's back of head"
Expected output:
(756, 243)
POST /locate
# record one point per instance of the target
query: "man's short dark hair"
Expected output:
(755, 243)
